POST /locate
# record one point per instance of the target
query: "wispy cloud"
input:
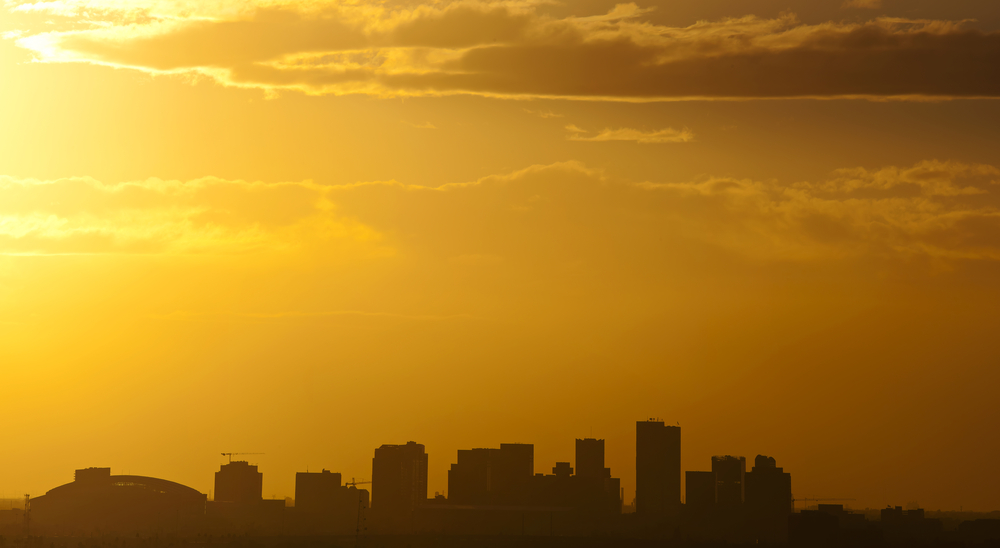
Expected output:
(543, 113)
(155, 216)
(668, 135)
(564, 212)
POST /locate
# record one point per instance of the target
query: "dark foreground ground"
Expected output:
(416, 541)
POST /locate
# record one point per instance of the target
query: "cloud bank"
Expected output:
(560, 212)
(509, 49)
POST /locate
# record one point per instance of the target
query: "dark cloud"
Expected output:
(499, 49)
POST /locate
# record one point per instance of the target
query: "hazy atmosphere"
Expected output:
(307, 228)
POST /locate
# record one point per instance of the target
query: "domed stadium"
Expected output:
(97, 502)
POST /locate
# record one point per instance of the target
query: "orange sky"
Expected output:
(310, 227)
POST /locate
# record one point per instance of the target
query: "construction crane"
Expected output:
(230, 455)
(27, 515)
(819, 500)
(355, 482)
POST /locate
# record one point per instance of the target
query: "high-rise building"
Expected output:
(729, 473)
(399, 484)
(590, 458)
(239, 481)
(323, 505)
(768, 491)
(492, 476)
(657, 468)
(316, 492)
(768, 486)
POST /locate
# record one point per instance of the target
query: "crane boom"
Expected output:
(794, 500)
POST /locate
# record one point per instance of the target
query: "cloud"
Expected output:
(668, 135)
(209, 215)
(555, 215)
(508, 49)
(543, 113)
(863, 4)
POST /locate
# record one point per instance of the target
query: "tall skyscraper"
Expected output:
(729, 474)
(239, 481)
(657, 468)
(399, 484)
(590, 458)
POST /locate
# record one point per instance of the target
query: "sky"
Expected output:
(305, 228)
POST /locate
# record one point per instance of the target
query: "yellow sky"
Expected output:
(307, 228)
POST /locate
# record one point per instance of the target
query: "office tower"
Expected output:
(514, 467)
(238, 481)
(399, 484)
(590, 458)
(323, 505)
(768, 499)
(657, 468)
(492, 476)
(729, 473)
(699, 489)
(769, 487)
(316, 492)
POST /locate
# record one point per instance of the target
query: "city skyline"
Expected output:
(493, 493)
(658, 458)
(311, 228)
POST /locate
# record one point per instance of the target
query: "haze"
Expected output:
(306, 228)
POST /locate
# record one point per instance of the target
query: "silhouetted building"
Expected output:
(316, 492)
(240, 482)
(493, 491)
(562, 470)
(813, 528)
(323, 505)
(831, 525)
(729, 473)
(399, 484)
(980, 530)
(492, 476)
(657, 468)
(846, 520)
(590, 458)
(97, 501)
(699, 489)
(907, 525)
(768, 497)
(239, 505)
